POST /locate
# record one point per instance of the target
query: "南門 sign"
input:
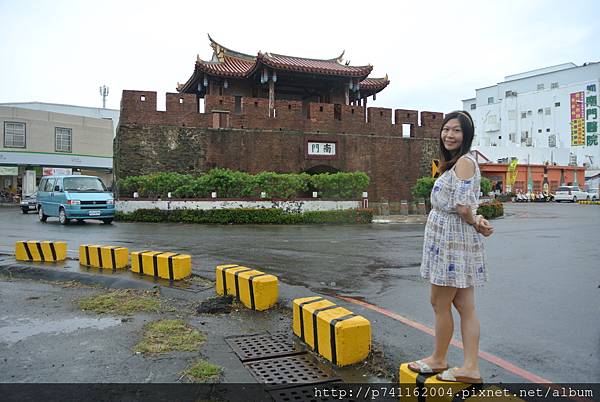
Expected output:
(321, 148)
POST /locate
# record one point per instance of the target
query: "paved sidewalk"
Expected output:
(406, 219)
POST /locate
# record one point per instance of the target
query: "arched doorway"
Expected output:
(321, 169)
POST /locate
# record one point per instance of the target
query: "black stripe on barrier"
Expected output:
(39, 248)
(53, 251)
(420, 383)
(113, 258)
(28, 251)
(87, 254)
(314, 321)
(251, 289)
(332, 335)
(301, 314)
(237, 280)
(141, 261)
(100, 263)
(224, 277)
(155, 264)
(171, 266)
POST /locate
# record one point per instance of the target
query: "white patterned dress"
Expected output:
(453, 253)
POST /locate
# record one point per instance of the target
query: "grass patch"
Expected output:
(203, 371)
(169, 335)
(122, 301)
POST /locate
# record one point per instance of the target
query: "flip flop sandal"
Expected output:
(424, 368)
(449, 377)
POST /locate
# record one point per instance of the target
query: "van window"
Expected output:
(42, 184)
(84, 184)
(49, 185)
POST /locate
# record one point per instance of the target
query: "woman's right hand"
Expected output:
(484, 227)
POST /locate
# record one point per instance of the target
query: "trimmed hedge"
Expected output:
(243, 216)
(491, 210)
(233, 184)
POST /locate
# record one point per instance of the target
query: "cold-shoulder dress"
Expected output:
(453, 253)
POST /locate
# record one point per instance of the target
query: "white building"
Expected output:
(40, 139)
(546, 115)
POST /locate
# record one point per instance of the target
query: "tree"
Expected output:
(423, 188)
(486, 185)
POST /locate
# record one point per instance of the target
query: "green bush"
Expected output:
(486, 185)
(243, 216)
(491, 210)
(423, 187)
(233, 184)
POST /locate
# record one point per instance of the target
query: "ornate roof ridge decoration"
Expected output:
(228, 63)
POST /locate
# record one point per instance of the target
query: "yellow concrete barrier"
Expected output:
(255, 289)
(332, 331)
(166, 265)
(417, 387)
(108, 257)
(34, 250)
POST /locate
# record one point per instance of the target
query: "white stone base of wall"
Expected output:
(128, 206)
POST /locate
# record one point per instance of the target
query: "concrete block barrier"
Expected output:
(33, 250)
(334, 332)
(106, 257)
(159, 264)
(425, 387)
(254, 289)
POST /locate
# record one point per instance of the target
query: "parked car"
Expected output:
(29, 203)
(571, 193)
(74, 197)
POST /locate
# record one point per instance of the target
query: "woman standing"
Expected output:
(453, 255)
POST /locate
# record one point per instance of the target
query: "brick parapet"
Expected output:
(140, 107)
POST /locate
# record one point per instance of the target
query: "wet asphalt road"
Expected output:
(539, 310)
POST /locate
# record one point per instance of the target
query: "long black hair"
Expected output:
(468, 129)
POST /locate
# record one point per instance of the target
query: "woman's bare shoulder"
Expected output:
(465, 168)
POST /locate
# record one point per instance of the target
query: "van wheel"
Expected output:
(41, 214)
(107, 221)
(574, 199)
(62, 217)
(25, 211)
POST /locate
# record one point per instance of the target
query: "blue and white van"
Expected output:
(74, 197)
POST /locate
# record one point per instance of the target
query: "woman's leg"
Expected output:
(469, 327)
(441, 301)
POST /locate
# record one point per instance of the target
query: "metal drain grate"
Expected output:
(263, 346)
(290, 371)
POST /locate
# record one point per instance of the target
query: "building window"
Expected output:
(473, 106)
(539, 130)
(556, 104)
(540, 111)
(490, 100)
(554, 85)
(523, 115)
(63, 139)
(512, 137)
(547, 111)
(14, 134)
(540, 87)
(552, 141)
(547, 130)
(529, 113)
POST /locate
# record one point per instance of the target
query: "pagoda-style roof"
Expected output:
(227, 63)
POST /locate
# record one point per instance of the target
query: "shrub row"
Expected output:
(491, 210)
(246, 216)
(233, 184)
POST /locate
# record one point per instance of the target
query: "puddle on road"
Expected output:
(16, 333)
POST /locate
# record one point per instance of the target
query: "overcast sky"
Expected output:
(436, 53)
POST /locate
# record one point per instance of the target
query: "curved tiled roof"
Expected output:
(228, 63)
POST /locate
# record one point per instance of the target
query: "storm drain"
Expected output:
(303, 393)
(263, 346)
(290, 371)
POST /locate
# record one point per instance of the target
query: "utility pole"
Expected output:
(104, 94)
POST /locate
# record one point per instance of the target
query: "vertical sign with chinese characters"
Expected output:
(321, 148)
(591, 115)
(577, 119)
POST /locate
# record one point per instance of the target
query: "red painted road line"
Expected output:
(484, 355)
